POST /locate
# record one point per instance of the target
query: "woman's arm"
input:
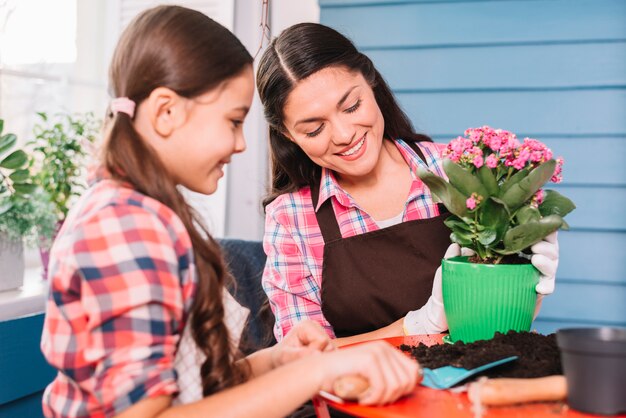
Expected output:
(394, 329)
(293, 291)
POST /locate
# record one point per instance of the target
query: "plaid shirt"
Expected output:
(295, 247)
(122, 279)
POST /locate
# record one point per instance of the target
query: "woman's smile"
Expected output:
(355, 150)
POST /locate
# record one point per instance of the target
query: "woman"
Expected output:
(130, 271)
(354, 239)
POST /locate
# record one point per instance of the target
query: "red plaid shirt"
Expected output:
(122, 278)
(295, 247)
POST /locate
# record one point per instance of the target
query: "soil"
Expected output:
(538, 355)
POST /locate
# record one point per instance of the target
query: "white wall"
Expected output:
(248, 175)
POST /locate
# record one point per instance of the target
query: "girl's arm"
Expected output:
(278, 392)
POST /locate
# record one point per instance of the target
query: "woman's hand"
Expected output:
(545, 258)
(305, 338)
(431, 318)
(390, 373)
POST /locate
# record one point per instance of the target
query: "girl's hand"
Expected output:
(306, 338)
(390, 373)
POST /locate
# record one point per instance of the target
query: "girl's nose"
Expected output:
(240, 144)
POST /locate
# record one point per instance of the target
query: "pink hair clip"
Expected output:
(124, 105)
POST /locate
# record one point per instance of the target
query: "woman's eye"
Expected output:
(354, 107)
(315, 132)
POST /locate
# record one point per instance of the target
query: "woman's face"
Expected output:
(333, 116)
(211, 134)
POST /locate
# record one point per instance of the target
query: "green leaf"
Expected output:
(454, 222)
(446, 193)
(487, 237)
(7, 142)
(25, 188)
(20, 176)
(494, 216)
(527, 214)
(523, 236)
(488, 179)
(6, 205)
(462, 238)
(555, 203)
(15, 160)
(523, 190)
(462, 179)
(514, 179)
(1, 125)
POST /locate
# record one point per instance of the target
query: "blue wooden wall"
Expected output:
(554, 70)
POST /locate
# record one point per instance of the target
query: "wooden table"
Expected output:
(426, 402)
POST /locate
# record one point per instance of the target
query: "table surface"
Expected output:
(426, 402)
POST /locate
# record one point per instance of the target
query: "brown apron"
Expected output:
(373, 279)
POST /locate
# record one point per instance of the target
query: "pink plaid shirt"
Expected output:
(294, 244)
(122, 278)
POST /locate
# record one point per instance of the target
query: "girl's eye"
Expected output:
(236, 123)
(315, 132)
(354, 107)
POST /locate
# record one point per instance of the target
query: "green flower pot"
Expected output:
(482, 299)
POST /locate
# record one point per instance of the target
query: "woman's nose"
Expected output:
(343, 132)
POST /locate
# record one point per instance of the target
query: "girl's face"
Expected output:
(333, 116)
(212, 132)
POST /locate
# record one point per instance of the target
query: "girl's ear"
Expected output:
(166, 110)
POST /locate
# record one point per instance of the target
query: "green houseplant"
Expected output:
(26, 213)
(499, 209)
(62, 145)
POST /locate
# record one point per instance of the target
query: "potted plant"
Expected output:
(62, 145)
(25, 211)
(499, 209)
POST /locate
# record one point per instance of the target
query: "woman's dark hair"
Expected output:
(298, 52)
(187, 52)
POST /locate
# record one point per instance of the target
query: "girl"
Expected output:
(130, 268)
(353, 237)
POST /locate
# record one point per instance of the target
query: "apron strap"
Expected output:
(326, 216)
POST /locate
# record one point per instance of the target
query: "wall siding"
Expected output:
(551, 69)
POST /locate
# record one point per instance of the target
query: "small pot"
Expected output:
(11, 263)
(594, 364)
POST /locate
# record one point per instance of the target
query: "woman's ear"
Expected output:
(166, 110)
(284, 132)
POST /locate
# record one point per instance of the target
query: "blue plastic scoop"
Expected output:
(448, 376)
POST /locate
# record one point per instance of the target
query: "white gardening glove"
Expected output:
(431, 318)
(545, 258)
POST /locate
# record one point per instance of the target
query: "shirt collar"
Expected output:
(330, 187)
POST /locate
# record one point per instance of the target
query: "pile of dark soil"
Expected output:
(538, 355)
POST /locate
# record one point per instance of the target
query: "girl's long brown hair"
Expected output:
(184, 50)
(298, 52)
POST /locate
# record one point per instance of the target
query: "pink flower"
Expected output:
(557, 177)
(538, 197)
(478, 161)
(471, 203)
(521, 159)
(492, 161)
